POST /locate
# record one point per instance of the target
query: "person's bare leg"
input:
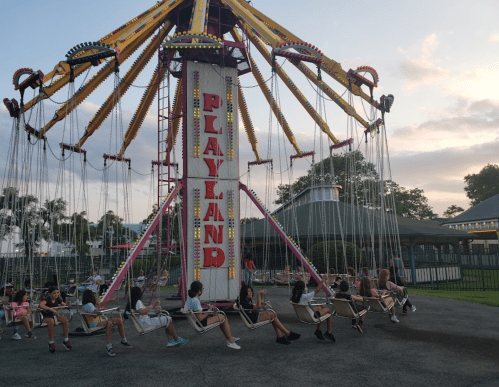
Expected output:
(330, 324)
(170, 332)
(121, 327)
(109, 330)
(50, 327)
(279, 327)
(65, 326)
(25, 321)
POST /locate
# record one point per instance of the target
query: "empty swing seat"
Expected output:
(306, 313)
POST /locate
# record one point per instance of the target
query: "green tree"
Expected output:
(482, 185)
(80, 232)
(350, 170)
(249, 220)
(21, 214)
(174, 217)
(53, 214)
(332, 251)
(453, 210)
(410, 203)
(111, 231)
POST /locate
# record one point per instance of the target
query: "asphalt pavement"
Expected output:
(443, 343)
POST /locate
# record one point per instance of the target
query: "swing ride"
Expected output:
(205, 50)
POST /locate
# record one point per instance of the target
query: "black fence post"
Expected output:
(480, 255)
(413, 264)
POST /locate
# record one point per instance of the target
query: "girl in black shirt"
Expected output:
(284, 336)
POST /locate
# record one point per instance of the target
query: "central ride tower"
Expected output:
(209, 70)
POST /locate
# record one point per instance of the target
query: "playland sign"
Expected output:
(212, 169)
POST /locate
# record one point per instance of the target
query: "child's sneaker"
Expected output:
(330, 336)
(282, 340)
(413, 308)
(319, 335)
(52, 348)
(16, 336)
(32, 337)
(172, 343)
(110, 352)
(181, 341)
(127, 345)
(293, 336)
(233, 345)
(67, 345)
(394, 319)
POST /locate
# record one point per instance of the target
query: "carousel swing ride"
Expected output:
(203, 48)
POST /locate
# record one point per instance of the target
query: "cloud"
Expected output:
(494, 38)
(464, 124)
(444, 150)
(422, 69)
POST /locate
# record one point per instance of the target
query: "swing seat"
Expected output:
(10, 321)
(163, 281)
(400, 297)
(282, 278)
(244, 313)
(86, 318)
(260, 277)
(64, 310)
(378, 305)
(198, 326)
(347, 308)
(135, 317)
(306, 313)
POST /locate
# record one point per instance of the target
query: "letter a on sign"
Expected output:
(213, 147)
(213, 212)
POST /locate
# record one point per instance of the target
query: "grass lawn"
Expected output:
(490, 298)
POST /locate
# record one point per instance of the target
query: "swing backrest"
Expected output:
(244, 313)
(10, 320)
(400, 297)
(378, 304)
(163, 281)
(345, 308)
(87, 318)
(198, 326)
(135, 317)
(260, 277)
(306, 313)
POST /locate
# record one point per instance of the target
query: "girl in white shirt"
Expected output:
(146, 321)
(299, 297)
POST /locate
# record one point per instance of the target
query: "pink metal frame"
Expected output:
(292, 246)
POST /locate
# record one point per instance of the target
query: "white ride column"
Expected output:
(211, 195)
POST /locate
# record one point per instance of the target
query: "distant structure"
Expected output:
(481, 220)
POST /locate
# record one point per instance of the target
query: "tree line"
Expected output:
(353, 172)
(33, 222)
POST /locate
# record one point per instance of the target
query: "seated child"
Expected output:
(343, 293)
(91, 305)
(22, 312)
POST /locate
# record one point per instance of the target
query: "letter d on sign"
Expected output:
(210, 259)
